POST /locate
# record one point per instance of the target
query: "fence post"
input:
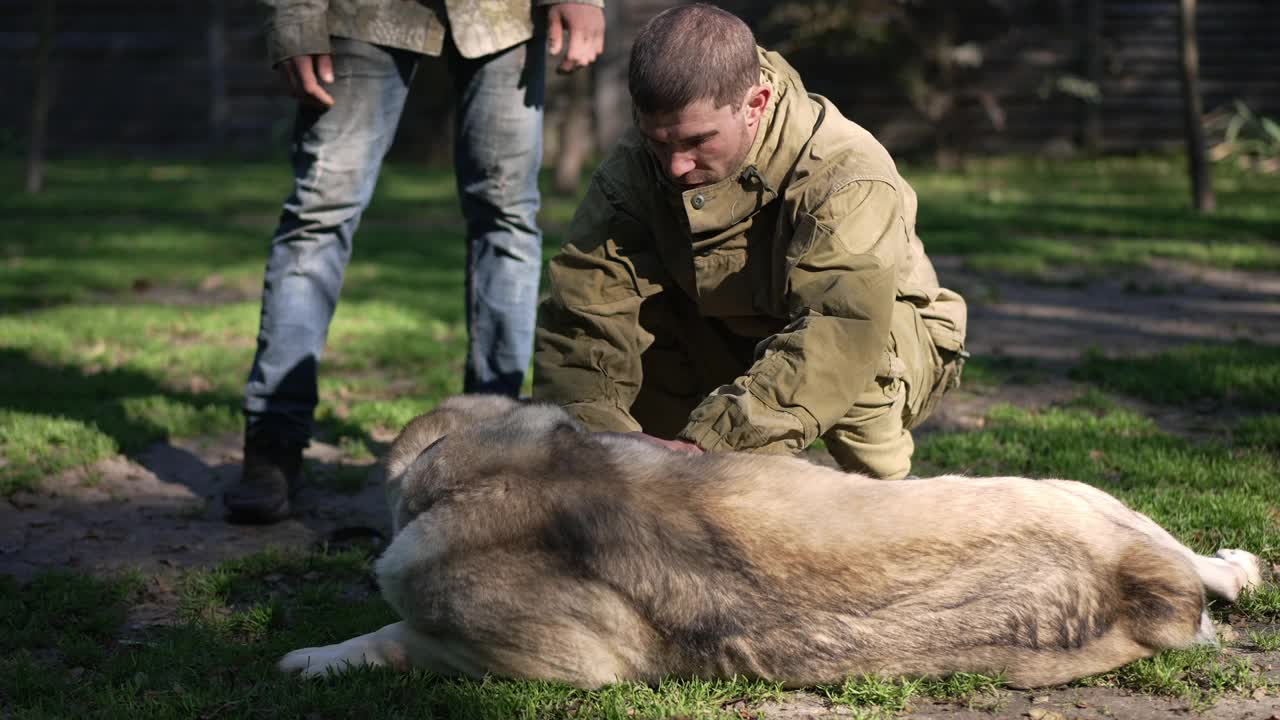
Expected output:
(1197, 160)
(39, 129)
(216, 37)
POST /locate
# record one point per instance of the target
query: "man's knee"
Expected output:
(871, 438)
(874, 437)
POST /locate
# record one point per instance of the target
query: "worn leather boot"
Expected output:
(271, 475)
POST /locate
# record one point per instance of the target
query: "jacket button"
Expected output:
(698, 201)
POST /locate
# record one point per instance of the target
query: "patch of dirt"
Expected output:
(1052, 323)
(1125, 312)
(162, 513)
(212, 290)
(1054, 704)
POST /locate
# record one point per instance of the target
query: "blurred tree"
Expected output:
(39, 127)
(1202, 196)
(219, 104)
(594, 107)
(1091, 52)
(611, 100)
(575, 136)
(934, 47)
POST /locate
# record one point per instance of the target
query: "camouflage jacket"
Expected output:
(805, 252)
(479, 27)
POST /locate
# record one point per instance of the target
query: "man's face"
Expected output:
(701, 144)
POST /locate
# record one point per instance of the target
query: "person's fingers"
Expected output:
(579, 53)
(555, 30)
(324, 68)
(585, 27)
(289, 78)
(310, 86)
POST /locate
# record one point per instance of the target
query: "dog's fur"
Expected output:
(526, 547)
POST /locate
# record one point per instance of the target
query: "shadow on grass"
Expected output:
(53, 418)
(970, 222)
(1242, 374)
(57, 262)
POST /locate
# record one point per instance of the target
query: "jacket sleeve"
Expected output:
(840, 296)
(296, 27)
(589, 339)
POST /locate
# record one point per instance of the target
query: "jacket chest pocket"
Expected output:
(725, 287)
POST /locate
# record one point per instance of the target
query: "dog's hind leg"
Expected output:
(397, 646)
(1228, 572)
(1224, 575)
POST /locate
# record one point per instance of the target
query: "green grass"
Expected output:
(1260, 431)
(129, 306)
(994, 370)
(1033, 216)
(128, 310)
(128, 290)
(1241, 374)
(1209, 495)
(1200, 675)
(1265, 641)
(1262, 603)
(236, 621)
(878, 696)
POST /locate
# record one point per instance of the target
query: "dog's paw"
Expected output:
(321, 661)
(1247, 563)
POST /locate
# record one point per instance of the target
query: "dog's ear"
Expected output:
(458, 412)
(420, 483)
(425, 431)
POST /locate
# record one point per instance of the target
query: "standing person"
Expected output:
(744, 271)
(350, 66)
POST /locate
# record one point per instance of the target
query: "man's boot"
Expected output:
(271, 473)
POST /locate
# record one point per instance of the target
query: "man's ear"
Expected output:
(757, 100)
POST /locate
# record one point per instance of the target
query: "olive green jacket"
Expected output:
(479, 27)
(807, 249)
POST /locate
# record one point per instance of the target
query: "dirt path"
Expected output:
(1056, 704)
(160, 512)
(1051, 324)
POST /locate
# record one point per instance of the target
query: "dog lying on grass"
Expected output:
(526, 547)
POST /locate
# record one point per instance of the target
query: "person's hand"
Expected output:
(683, 446)
(585, 26)
(303, 75)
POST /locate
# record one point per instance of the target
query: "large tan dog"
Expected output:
(529, 548)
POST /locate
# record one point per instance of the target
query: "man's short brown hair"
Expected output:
(691, 52)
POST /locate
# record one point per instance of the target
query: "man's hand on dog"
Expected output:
(683, 446)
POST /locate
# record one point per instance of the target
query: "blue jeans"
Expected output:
(337, 154)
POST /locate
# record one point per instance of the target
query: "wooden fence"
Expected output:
(160, 75)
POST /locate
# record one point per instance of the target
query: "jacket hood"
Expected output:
(785, 129)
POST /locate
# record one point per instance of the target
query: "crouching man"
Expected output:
(744, 272)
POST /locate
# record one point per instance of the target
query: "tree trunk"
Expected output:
(1091, 123)
(1197, 158)
(611, 101)
(216, 34)
(575, 143)
(43, 96)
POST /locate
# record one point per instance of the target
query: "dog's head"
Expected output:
(473, 444)
(413, 447)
